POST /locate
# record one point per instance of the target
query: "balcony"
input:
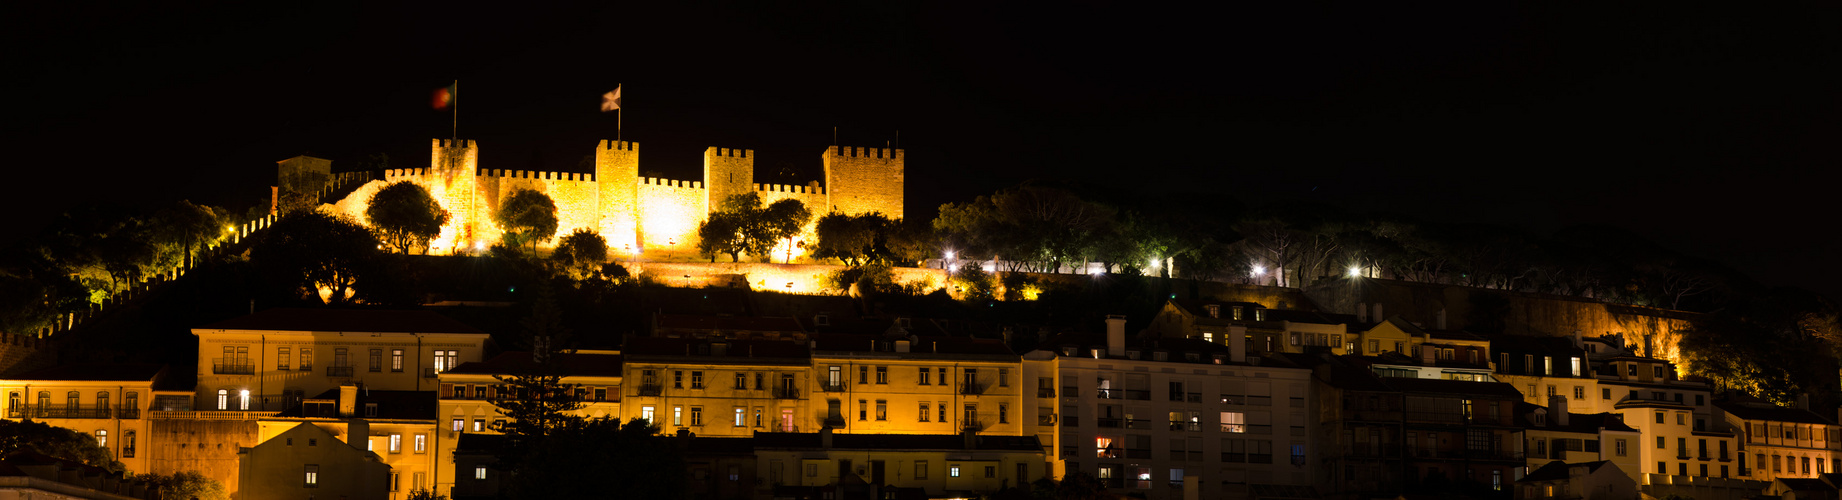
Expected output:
(784, 392)
(128, 413)
(306, 367)
(339, 371)
(1186, 397)
(972, 424)
(1071, 421)
(1069, 391)
(1186, 426)
(56, 411)
(831, 386)
(1108, 422)
(1045, 392)
(650, 389)
(1134, 394)
(1045, 420)
(971, 389)
(1138, 423)
(233, 367)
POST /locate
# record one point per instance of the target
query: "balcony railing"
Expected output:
(1138, 423)
(233, 367)
(58, 411)
(1069, 391)
(972, 389)
(650, 389)
(1071, 421)
(1135, 394)
(972, 424)
(1045, 392)
(1048, 419)
(1186, 397)
(128, 413)
(1108, 421)
(784, 392)
(831, 386)
(1186, 426)
(338, 371)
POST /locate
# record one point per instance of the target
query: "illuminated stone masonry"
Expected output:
(634, 213)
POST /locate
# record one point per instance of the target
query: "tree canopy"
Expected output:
(742, 225)
(26, 436)
(405, 216)
(582, 253)
(526, 216)
(307, 251)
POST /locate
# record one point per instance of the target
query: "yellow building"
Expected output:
(467, 392)
(109, 401)
(1784, 443)
(1547, 367)
(942, 466)
(717, 388)
(397, 426)
(1553, 433)
(271, 360)
(1266, 330)
(872, 384)
(1681, 436)
(312, 460)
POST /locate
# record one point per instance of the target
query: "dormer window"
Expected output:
(1215, 311)
(1259, 315)
(821, 320)
(370, 410)
(1237, 313)
(1540, 417)
(1131, 354)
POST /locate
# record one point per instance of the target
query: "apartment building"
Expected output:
(832, 465)
(1554, 433)
(106, 400)
(313, 460)
(1546, 367)
(1784, 443)
(721, 388)
(1166, 417)
(398, 427)
(879, 384)
(274, 359)
(1682, 435)
(1264, 329)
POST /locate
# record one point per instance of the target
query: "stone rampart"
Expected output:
(864, 180)
(670, 212)
(789, 278)
(206, 442)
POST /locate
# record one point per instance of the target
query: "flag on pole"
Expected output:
(611, 100)
(444, 97)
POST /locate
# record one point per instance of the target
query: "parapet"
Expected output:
(455, 143)
(533, 174)
(861, 152)
(657, 181)
(729, 152)
(618, 145)
(812, 188)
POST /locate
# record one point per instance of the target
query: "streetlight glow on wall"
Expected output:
(1355, 271)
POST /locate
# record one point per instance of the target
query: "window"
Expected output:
(991, 472)
(1605, 393)
(922, 376)
(697, 415)
(479, 473)
(972, 377)
(646, 413)
(1004, 377)
(1553, 391)
(306, 358)
(835, 377)
(396, 360)
(102, 438)
(1579, 392)
(479, 425)
(422, 443)
(313, 476)
(1659, 417)
(446, 360)
(1575, 360)
(882, 375)
(972, 415)
(863, 374)
(812, 470)
(923, 410)
(281, 357)
(1375, 348)
(1004, 411)
(741, 418)
(377, 360)
(243, 399)
(1657, 370)
(953, 471)
(1620, 447)
(340, 358)
(458, 424)
(697, 379)
(1660, 443)
(942, 413)
(863, 410)
(1699, 401)
(601, 394)
(127, 444)
(741, 381)
(1632, 369)
(940, 376)
(677, 379)
(882, 410)
(1234, 421)
(396, 443)
(920, 469)
(758, 378)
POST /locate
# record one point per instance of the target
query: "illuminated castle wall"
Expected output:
(630, 211)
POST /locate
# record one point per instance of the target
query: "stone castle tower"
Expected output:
(637, 214)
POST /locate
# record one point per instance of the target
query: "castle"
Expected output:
(635, 214)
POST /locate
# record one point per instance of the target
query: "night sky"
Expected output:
(1709, 127)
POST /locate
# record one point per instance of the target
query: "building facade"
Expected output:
(107, 401)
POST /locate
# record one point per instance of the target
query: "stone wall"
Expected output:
(24, 353)
(206, 442)
(617, 172)
(804, 278)
(670, 212)
(864, 180)
(577, 198)
(727, 172)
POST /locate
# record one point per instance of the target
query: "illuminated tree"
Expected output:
(722, 234)
(313, 250)
(783, 220)
(581, 253)
(188, 484)
(405, 216)
(527, 216)
(850, 239)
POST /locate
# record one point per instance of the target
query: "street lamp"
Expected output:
(1355, 271)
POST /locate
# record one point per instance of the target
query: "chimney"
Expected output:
(719, 348)
(1439, 322)
(972, 438)
(1646, 345)
(348, 400)
(825, 437)
(1557, 409)
(1429, 355)
(357, 431)
(1237, 344)
(1803, 401)
(1378, 313)
(1362, 312)
(1578, 342)
(1115, 335)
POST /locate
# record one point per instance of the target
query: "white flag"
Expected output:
(611, 101)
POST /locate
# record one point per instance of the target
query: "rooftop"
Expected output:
(732, 351)
(1771, 413)
(391, 405)
(931, 344)
(1558, 470)
(576, 364)
(137, 372)
(900, 442)
(289, 319)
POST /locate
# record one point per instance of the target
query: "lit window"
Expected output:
(422, 441)
(697, 380)
(458, 423)
(697, 416)
(953, 471)
(479, 473)
(223, 399)
(243, 399)
(741, 419)
(102, 438)
(396, 443)
(1234, 421)
(313, 476)
(646, 413)
(479, 424)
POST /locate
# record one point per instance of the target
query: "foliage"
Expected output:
(424, 494)
(856, 240)
(582, 253)
(742, 225)
(405, 216)
(189, 484)
(309, 251)
(526, 216)
(1075, 486)
(26, 436)
(783, 220)
(868, 278)
(535, 401)
(300, 191)
(974, 283)
(1777, 346)
(34, 291)
(722, 234)
(633, 456)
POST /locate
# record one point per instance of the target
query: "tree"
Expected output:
(722, 234)
(582, 253)
(310, 250)
(783, 220)
(18, 437)
(184, 228)
(850, 239)
(535, 401)
(527, 215)
(405, 216)
(425, 495)
(189, 484)
(632, 455)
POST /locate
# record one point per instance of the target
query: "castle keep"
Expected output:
(635, 213)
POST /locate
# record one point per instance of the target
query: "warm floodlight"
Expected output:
(1259, 270)
(1355, 271)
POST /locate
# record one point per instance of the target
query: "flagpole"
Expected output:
(617, 118)
(455, 133)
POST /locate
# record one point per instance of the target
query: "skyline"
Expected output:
(1698, 128)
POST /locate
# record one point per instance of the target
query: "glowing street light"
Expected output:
(1259, 270)
(1355, 271)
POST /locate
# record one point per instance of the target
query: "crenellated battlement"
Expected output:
(812, 188)
(455, 143)
(663, 182)
(863, 152)
(618, 145)
(535, 174)
(729, 152)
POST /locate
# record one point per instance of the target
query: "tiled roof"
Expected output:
(344, 320)
(1773, 413)
(921, 344)
(577, 364)
(726, 323)
(736, 351)
(96, 372)
(1557, 470)
(1588, 423)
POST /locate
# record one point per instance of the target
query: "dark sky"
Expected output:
(1706, 126)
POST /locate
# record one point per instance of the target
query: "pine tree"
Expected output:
(534, 400)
